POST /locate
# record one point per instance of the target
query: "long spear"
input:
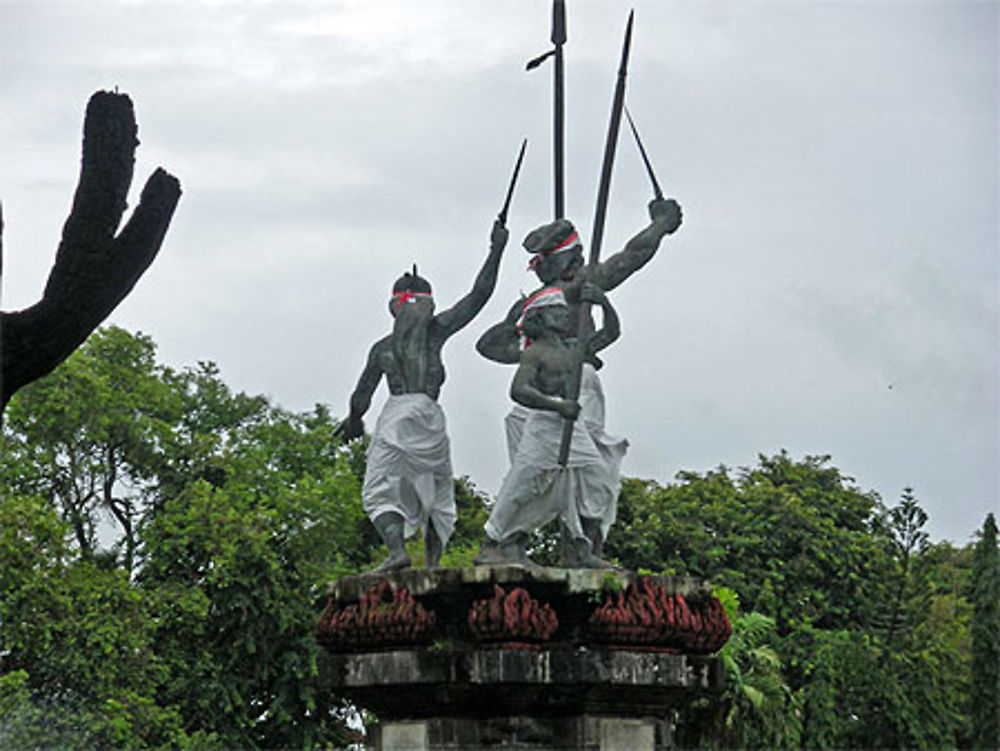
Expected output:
(657, 193)
(597, 236)
(502, 216)
(558, 38)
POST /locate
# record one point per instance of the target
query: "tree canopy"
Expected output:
(986, 639)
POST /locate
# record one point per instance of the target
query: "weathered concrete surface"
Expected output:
(581, 733)
(567, 581)
(481, 682)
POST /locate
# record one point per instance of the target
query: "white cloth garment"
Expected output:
(537, 490)
(409, 465)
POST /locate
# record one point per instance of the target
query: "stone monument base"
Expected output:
(554, 659)
(581, 733)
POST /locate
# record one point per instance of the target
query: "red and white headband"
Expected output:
(570, 243)
(543, 298)
(398, 298)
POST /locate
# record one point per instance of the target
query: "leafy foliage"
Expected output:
(986, 639)
(231, 516)
(795, 539)
(79, 668)
(755, 711)
(867, 619)
(240, 566)
(90, 437)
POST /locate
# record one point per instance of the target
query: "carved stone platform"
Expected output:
(504, 657)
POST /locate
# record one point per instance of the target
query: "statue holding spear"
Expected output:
(587, 510)
(408, 477)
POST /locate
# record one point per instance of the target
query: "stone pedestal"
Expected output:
(542, 674)
(585, 733)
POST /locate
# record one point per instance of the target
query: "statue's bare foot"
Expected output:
(492, 553)
(580, 555)
(489, 554)
(394, 562)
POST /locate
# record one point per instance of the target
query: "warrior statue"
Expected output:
(408, 481)
(557, 260)
(537, 489)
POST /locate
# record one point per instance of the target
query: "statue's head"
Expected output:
(545, 311)
(411, 295)
(556, 251)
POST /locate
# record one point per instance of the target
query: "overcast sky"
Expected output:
(833, 289)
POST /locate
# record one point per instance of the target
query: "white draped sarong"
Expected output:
(409, 465)
(537, 490)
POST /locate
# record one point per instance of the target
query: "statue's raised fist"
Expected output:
(666, 212)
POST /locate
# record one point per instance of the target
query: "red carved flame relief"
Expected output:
(644, 615)
(515, 618)
(384, 617)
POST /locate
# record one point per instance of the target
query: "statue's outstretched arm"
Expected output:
(353, 425)
(665, 216)
(502, 341)
(459, 314)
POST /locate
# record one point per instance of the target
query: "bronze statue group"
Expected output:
(564, 466)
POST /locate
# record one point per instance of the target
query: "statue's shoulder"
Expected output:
(382, 345)
(540, 352)
(438, 332)
(593, 274)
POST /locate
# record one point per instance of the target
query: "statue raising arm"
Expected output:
(665, 215)
(558, 259)
(410, 357)
(461, 313)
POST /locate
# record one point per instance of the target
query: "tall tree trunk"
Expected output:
(94, 268)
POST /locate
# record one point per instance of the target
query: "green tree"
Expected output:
(796, 539)
(756, 710)
(870, 623)
(856, 696)
(236, 514)
(986, 639)
(238, 554)
(908, 540)
(78, 667)
(901, 683)
(89, 437)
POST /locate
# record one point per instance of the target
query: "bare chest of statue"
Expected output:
(554, 367)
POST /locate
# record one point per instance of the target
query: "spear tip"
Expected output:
(628, 42)
(558, 22)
